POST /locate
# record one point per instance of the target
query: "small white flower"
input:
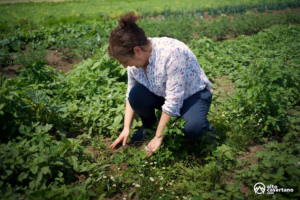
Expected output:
(91, 174)
(137, 185)
(155, 163)
(143, 165)
(141, 175)
(151, 163)
(173, 192)
(104, 176)
(114, 185)
(173, 181)
(170, 183)
(161, 178)
(146, 162)
(163, 168)
(161, 188)
(152, 179)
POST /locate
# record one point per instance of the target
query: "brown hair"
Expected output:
(126, 36)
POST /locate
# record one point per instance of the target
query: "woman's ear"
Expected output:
(137, 50)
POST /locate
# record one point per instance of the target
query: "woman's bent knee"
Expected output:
(196, 129)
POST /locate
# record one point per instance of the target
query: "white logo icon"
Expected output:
(259, 188)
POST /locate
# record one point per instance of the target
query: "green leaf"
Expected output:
(119, 154)
(144, 155)
(46, 170)
(194, 193)
(292, 170)
(34, 169)
(1, 106)
(14, 151)
(292, 161)
(267, 163)
(125, 151)
(39, 178)
(22, 176)
(32, 184)
(18, 114)
(280, 171)
(88, 180)
(266, 176)
(117, 160)
(66, 141)
(173, 118)
(6, 174)
(96, 65)
(60, 174)
(58, 163)
(292, 183)
(220, 191)
(237, 185)
(92, 193)
(229, 187)
(241, 109)
(75, 163)
(254, 166)
(117, 120)
(165, 131)
(133, 150)
(228, 155)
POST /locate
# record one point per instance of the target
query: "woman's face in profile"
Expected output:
(139, 59)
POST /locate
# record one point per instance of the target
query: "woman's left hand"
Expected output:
(153, 145)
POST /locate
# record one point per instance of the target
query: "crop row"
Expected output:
(82, 40)
(199, 11)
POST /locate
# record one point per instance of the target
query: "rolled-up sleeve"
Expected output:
(175, 84)
(131, 81)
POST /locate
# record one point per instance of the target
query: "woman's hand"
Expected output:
(123, 136)
(153, 145)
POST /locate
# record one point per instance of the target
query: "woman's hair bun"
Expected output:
(128, 20)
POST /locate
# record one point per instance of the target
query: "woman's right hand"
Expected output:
(122, 137)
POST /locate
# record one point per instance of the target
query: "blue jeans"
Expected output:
(194, 109)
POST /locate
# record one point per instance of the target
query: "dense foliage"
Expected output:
(40, 111)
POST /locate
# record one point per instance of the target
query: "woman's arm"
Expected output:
(129, 116)
(165, 118)
(128, 119)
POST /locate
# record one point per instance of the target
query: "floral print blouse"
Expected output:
(173, 73)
